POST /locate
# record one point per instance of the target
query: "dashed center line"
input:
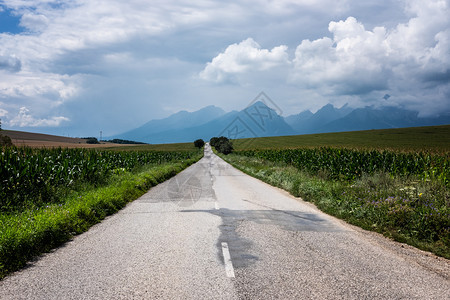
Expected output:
(227, 260)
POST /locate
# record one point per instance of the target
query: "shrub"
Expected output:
(5, 141)
(199, 143)
(222, 144)
(92, 141)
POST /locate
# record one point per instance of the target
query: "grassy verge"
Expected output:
(407, 209)
(28, 233)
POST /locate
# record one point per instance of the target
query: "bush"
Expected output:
(213, 141)
(225, 148)
(5, 141)
(199, 143)
(92, 141)
(222, 144)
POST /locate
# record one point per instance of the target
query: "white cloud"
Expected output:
(247, 56)
(10, 63)
(410, 60)
(3, 112)
(353, 62)
(52, 87)
(24, 119)
(423, 41)
(286, 7)
(34, 22)
(58, 32)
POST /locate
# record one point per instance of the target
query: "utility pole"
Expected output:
(101, 132)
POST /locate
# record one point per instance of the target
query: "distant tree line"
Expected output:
(94, 140)
(120, 141)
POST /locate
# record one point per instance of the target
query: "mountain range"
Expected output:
(259, 120)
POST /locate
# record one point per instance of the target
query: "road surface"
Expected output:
(213, 232)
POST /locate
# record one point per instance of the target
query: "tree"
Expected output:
(225, 147)
(222, 144)
(214, 141)
(5, 141)
(92, 140)
(199, 143)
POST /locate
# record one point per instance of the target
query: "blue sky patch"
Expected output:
(9, 23)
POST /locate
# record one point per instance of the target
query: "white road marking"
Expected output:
(227, 260)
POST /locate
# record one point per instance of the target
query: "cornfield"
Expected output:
(34, 174)
(348, 164)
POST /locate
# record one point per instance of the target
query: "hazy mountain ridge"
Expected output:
(177, 121)
(258, 120)
(307, 122)
(379, 118)
(254, 121)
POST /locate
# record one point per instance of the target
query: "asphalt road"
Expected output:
(213, 232)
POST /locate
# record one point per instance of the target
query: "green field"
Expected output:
(48, 195)
(435, 139)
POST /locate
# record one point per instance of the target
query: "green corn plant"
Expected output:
(28, 174)
(349, 164)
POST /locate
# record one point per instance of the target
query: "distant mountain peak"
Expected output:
(258, 103)
(209, 107)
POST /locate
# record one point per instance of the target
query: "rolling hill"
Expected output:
(39, 140)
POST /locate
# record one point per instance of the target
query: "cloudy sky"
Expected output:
(75, 67)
